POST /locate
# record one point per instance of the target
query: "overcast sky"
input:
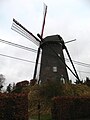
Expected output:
(68, 18)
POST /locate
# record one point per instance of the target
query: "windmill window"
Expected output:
(54, 69)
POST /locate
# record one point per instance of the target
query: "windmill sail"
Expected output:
(44, 18)
(17, 27)
(40, 36)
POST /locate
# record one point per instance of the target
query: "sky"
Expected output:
(68, 18)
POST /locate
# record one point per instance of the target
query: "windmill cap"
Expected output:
(53, 38)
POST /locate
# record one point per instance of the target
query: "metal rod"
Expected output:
(70, 41)
(36, 65)
(71, 62)
(63, 62)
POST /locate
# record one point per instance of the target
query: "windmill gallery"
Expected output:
(52, 65)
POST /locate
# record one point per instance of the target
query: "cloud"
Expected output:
(69, 18)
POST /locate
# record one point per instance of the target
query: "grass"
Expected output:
(42, 117)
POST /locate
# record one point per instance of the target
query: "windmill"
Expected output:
(53, 66)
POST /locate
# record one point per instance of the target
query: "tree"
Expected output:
(33, 82)
(2, 80)
(18, 88)
(13, 86)
(9, 88)
(87, 81)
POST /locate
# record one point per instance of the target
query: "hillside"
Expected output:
(41, 95)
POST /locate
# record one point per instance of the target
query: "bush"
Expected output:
(70, 108)
(13, 106)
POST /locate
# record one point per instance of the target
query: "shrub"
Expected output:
(13, 106)
(70, 108)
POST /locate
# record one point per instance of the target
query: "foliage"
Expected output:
(70, 108)
(9, 88)
(2, 80)
(76, 90)
(33, 82)
(18, 88)
(50, 89)
(87, 81)
(13, 106)
(43, 93)
(42, 117)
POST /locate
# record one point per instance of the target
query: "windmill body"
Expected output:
(52, 68)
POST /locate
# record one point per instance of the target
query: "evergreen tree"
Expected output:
(2, 80)
(9, 88)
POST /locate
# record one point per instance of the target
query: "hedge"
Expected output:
(70, 108)
(13, 106)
